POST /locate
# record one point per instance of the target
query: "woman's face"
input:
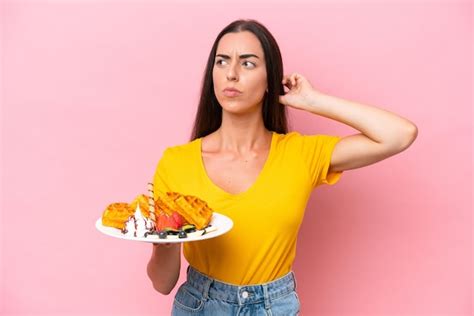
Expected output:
(240, 64)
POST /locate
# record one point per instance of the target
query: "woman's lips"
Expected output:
(231, 93)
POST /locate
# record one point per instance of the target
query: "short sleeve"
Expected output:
(161, 178)
(317, 151)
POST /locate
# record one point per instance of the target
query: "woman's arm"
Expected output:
(164, 266)
(383, 133)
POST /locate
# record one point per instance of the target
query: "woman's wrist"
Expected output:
(314, 102)
(161, 248)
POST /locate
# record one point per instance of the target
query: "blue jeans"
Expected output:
(203, 295)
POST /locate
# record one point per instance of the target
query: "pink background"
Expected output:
(93, 92)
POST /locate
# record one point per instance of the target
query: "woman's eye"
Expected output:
(249, 63)
(220, 62)
(245, 62)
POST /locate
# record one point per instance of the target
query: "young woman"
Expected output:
(244, 163)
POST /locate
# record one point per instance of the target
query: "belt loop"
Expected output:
(205, 291)
(266, 298)
(294, 278)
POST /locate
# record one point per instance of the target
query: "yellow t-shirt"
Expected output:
(261, 246)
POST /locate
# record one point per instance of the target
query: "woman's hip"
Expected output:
(203, 295)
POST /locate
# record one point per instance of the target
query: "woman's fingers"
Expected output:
(166, 245)
(291, 80)
(294, 78)
(288, 82)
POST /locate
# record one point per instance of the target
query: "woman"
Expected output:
(244, 163)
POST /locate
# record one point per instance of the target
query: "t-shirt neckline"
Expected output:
(221, 191)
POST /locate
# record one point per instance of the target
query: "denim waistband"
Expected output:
(240, 294)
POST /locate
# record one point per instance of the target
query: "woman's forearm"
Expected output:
(164, 267)
(379, 125)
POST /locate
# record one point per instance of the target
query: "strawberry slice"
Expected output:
(161, 222)
(167, 221)
(175, 221)
(178, 218)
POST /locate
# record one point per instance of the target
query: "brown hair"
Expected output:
(209, 113)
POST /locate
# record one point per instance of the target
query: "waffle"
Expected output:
(142, 200)
(166, 203)
(194, 210)
(116, 214)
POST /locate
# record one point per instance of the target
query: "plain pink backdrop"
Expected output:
(93, 92)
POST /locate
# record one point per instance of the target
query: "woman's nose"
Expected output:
(232, 73)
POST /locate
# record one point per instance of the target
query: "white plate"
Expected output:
(221, 224)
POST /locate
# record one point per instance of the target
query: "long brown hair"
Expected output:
(209, 113)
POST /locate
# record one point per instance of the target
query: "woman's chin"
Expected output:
(238, 106)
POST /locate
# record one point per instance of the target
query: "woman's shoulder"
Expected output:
(291, 134)
(300, 141)
(180, 149)
(295, 136)
(289, 137)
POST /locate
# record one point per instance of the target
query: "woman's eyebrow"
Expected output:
(241, 56)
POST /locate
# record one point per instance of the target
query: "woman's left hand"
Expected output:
(301, 94)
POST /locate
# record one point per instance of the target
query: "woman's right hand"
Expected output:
(164, 266)
(166, 245)
(159, 245)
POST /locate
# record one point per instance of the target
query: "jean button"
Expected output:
(245, 294)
